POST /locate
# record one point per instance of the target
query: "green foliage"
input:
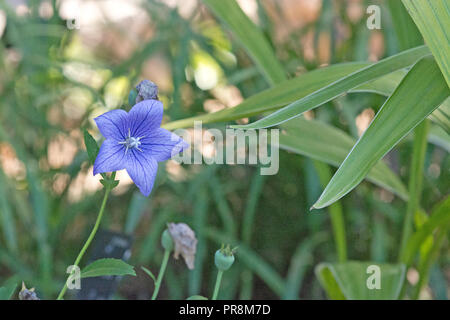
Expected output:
(331, 145)
(8, 290)
(54, 81)
(91, 146)
(433, 20)
(249, 35)
(107, 267)
(421, 91)
(351, 280)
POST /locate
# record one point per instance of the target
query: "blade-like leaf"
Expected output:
(433, 20)
(408, 36)
(250, 36)
(328, 144)
(351, 280)
(277, 96)
(441, 116)
(299, 87)
(439, 137)
(107, 267)
(337, 88)
(8, 290)
(421, 91)
(440, 217)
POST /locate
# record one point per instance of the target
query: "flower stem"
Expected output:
(89, 240)
(218, 281)
(162, 270)
(336, 213)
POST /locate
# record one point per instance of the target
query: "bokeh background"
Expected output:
(62, 63)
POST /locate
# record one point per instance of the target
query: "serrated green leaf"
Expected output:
(331, 145)
(250, 36)
(433, 20)
(91, 146)
(421, 91)
(339, 87)
(107, 267)
(349, 280)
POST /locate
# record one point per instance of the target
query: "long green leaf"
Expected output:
(339, 87)
(386, 85)
(328, 144)
(421, 91)
(107, 267)
(408, 36)
(433, 20)
(352, 279)
(441, 116)
(277, 96)
(299, 87)
(8, 290)
(440, 217)
(251, 37)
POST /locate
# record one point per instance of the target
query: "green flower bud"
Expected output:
(166, 240)
(224, 258)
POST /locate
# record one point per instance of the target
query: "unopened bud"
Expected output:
(146, 90)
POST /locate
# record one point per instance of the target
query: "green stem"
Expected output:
(217, 286)
(415, 182)
(89, 240)
(336, 214)
(162, 270)
(428, 261)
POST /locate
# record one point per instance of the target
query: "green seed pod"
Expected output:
(223, 260)
(166, 240)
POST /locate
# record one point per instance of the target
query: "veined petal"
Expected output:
(113, 124)
(142, 170)
(111, 157)
(162, 144)
(144, 117)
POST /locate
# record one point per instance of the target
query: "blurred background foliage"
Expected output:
(64, 62)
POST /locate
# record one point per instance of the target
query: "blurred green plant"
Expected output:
(47, 202)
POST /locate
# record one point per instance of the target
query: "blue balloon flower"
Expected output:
(135, 142)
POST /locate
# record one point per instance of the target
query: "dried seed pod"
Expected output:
(185, 242)
(27, 294)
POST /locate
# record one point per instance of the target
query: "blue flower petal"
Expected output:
(162, 144)
(113, 124)
(111, 157)
(142, 170)
(145, 117)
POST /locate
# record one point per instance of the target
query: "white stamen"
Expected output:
(131, 142)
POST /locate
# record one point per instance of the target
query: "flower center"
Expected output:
(131, 142)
